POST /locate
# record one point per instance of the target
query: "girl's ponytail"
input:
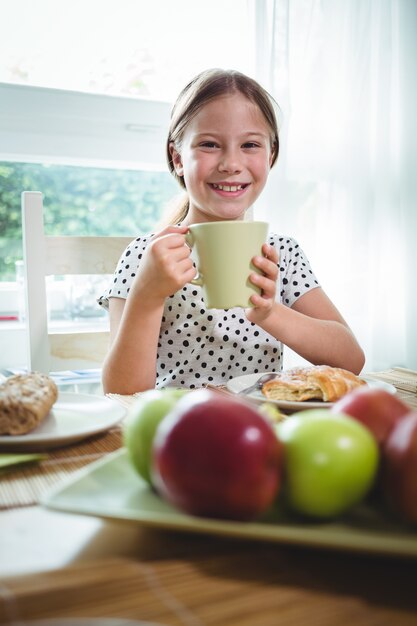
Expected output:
(176, 211)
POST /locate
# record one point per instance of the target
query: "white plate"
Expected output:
(74, 416)
(235, 385)
(111, 489)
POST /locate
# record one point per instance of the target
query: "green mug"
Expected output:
(223, 252)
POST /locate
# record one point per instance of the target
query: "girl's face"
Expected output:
(225, 157)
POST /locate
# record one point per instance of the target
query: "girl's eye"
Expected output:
(208, 144)
(250, 144)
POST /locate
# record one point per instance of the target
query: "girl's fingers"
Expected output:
(169, 247)
(267, 290)
(171, 240)
(258, 301)
(172, 228)
(188, 273)
(184, 263)
(267, 266)
(267, 283)
(270, 252)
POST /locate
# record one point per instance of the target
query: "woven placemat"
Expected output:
(126, 401)
(25, 486)
(403, 379)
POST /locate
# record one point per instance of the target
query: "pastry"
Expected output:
(25, 401)
(317, 382)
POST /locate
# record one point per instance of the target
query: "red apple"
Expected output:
(217, 456)
(377, 409)
(399, 468)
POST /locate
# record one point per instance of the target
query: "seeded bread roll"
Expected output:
(25, 401)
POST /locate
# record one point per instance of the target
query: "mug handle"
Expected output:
(189, 240)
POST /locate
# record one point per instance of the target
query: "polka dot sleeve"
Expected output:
(125, 271)
(296, 275)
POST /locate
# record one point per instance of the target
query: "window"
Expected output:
(130, 47)
(98, 160)
(85, 97)
(80, 201)
(90, 86)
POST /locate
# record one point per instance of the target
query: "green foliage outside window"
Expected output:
(80, 201)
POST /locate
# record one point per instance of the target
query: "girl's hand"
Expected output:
(267, 281)
(166, 265)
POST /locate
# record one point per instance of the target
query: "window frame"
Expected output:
(39, 124)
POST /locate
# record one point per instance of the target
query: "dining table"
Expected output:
(64, 567)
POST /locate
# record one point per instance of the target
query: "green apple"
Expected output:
(141, 424)
(330, 462)
(271, 412)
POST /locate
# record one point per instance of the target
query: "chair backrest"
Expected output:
(43, 256)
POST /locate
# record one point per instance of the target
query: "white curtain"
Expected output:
(345, 185)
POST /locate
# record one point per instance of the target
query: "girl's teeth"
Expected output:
(228, 187)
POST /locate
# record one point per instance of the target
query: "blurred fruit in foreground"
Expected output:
(399, 468)
(271, 412)
(330, 462)
(141, 423)
(377, 409)
(217, 456)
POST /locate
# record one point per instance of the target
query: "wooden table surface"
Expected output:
(62, 565)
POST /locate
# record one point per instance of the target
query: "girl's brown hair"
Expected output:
(205, 87)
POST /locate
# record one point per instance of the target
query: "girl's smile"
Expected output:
(224, 157)
(229, 190)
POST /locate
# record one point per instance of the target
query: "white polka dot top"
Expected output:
(197, 345)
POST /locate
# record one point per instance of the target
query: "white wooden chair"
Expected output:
(44, 256)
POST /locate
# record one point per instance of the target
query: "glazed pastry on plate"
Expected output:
(316, 382)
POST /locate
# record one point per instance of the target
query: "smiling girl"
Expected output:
(223, 141)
